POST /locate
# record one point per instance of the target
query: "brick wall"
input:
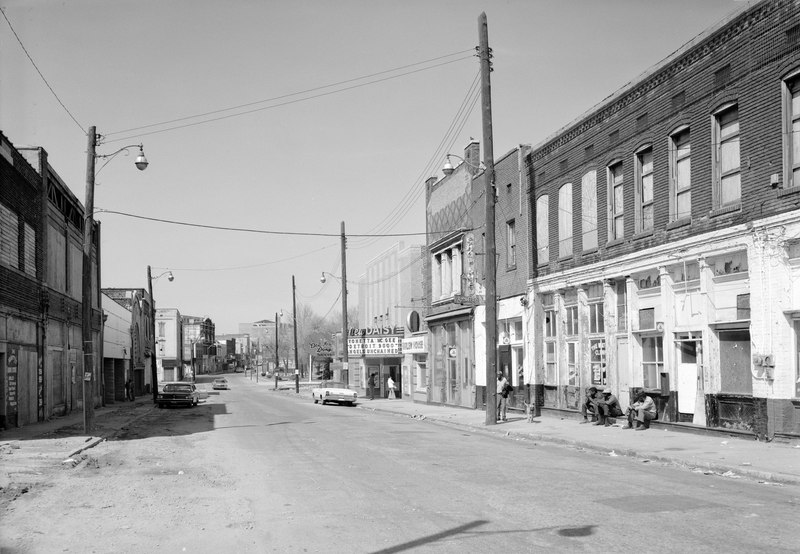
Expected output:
(742, 62)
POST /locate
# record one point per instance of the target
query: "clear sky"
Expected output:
(323, 111)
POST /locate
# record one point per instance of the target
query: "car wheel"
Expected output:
(315, 399)
(322, 401)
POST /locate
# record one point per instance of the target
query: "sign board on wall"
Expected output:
(415, 345)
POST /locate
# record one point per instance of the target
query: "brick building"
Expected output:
(41, 253)
(512, 270)
(666, 253)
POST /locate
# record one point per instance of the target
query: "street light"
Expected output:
(153, 366)
(448, 168)
(86, 274)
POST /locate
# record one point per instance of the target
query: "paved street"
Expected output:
(258, 470)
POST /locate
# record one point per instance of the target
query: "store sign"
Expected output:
(376, 331)
(415, 345)
(374, 346)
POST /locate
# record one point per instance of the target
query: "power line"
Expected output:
(245, 230)
(167, 122)
(19, 40)
(246, 112)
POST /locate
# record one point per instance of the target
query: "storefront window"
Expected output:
(597, 361)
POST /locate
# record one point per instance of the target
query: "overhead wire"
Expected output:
(445, 143)
(281, 104)
(36, 67)
(248, 104)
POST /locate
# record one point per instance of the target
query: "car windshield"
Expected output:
(220, 381)
(334, 385)
(177, 388)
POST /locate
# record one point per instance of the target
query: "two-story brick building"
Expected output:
(667, 242)
(41, 252)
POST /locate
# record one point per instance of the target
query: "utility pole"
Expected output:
(485, 56)
(345, 364)
(294, 324)
(153, 364)
(86, 289)
(277, 358)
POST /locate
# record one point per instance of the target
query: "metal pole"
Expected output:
(485, 56)
(86, 289)
(345, 364)
(294, 326)
(153, 365)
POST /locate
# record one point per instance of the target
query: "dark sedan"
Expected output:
(178, 394)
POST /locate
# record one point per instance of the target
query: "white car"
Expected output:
(220, 384)
(334, 391)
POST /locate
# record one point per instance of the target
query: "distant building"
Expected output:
(199, 345)
(116, 350)
(169, 345)
(137, 302)
(388, 291)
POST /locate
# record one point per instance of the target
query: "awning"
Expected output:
(449, 315)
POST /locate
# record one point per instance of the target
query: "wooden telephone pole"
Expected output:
(485, 56)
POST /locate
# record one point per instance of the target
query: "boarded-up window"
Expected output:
(589, 210)
(30, 251)
(9, 238)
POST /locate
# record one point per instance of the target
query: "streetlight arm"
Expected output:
(141, 161)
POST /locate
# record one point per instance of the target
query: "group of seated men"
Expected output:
(603, 406)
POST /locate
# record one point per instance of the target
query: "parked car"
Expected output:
(334, 391)
(178, 393)
(220, 384)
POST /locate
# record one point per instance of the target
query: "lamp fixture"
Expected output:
(448, 168)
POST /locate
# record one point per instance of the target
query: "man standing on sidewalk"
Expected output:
(502, 396)
(371, 386)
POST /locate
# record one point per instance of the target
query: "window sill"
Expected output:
(511, 267)
(566, 258)
(590, 251)
(682, 222)
(615, 242)
(788, 191)
(725, 210)
(643, 235)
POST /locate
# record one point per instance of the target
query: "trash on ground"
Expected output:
(612, 453)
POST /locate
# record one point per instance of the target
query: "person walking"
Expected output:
(390, 386)
(502, 396)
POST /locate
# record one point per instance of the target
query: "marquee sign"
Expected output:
(374, 346)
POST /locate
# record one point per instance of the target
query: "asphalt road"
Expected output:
(253, 470)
